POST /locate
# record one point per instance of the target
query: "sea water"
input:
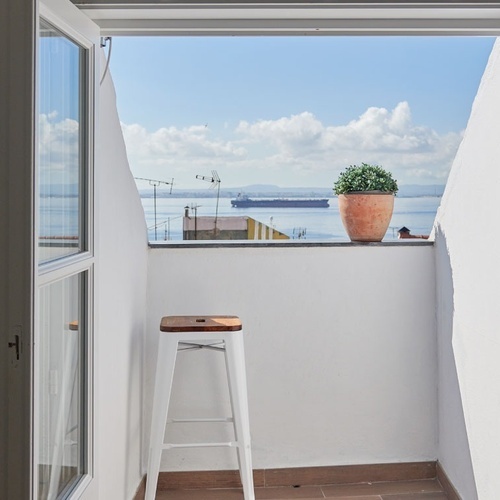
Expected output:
(313, 224)
(59, 217)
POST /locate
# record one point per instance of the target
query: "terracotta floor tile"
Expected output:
(399, 487)
(428, 489)
(416, 496)
(304, 493)
(225, 494)
(364, 497)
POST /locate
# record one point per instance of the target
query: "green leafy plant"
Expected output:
(365, 177)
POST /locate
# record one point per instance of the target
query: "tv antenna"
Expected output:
(193, 208)
(299, 233)
(155, 183)
(215, 181)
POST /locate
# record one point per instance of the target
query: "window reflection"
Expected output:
(61, 386)
(61, 145)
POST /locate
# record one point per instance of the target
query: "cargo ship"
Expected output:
(243, 201)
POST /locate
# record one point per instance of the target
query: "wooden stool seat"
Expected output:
(200, 324)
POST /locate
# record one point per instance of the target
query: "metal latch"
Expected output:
(17, 345)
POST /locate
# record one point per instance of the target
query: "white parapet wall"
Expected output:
(340, 351)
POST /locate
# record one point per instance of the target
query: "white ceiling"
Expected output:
(292, 17)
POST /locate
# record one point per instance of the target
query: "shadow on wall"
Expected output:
(133, 425)
(453, 451)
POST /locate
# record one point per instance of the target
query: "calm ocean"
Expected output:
(59, 217)
(318, 223)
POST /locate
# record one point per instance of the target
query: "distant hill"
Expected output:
(59, 190)
(273, 191)
(415, 190)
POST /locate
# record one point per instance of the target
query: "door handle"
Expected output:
(17, 345)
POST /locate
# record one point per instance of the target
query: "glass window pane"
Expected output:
(62, 145)
(62, 386)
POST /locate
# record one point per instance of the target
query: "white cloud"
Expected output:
(298, 149)
(297, 134)
(380, 130)
(58, 149)
(172, 145)
(57, 138)
(181, 153)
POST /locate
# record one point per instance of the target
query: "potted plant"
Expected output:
(366, 200)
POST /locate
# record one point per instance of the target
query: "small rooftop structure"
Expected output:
(228, 228)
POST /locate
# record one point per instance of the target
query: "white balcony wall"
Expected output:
(467, 242)
(340, 349)
(120, 310)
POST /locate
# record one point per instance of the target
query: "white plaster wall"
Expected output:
(340, 348)
(121, 302)
(454, 452)
(467, 241)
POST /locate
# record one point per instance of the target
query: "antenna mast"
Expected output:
(215, 180)
(155, 183)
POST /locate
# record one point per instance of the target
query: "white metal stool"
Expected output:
(185, 332)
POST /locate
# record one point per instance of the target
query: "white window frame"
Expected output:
(294, 17)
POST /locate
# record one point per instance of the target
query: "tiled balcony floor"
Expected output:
(428, 489)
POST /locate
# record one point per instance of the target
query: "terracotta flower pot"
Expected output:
(366, 215)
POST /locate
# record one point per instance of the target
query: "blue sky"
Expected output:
(59, 108)
(294, 111)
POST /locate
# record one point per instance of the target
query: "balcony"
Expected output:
(351, 349)
(357, 355)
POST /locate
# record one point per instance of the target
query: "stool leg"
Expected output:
(235, 363)
(167, 353)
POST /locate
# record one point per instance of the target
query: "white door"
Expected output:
(64, 252)
(47, 100)
(66, 76)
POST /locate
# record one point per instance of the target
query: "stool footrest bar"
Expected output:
(231, 444)
(187, 346)
(198, 420)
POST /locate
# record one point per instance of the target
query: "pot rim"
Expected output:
(368, 192)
